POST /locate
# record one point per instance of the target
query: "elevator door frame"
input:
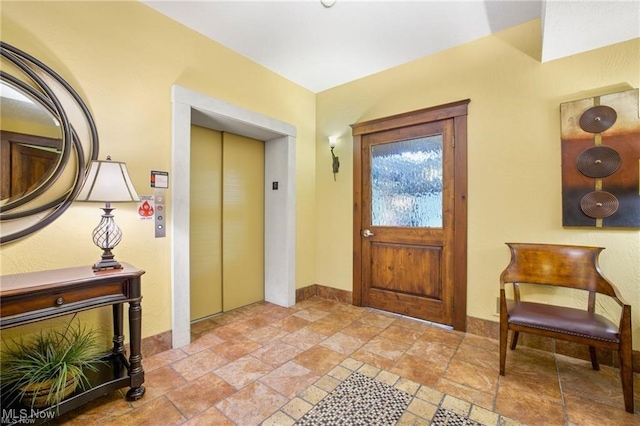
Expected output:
(190, 107)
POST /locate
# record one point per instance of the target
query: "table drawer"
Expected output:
(59, 298)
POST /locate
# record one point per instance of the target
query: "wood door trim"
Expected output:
(458, 112)
(426, 115)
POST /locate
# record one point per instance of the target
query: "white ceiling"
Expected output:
(319, 47)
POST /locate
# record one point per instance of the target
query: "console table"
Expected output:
(35, 296)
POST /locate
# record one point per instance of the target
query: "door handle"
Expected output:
(366, 233)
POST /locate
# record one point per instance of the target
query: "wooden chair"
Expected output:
(573, 267)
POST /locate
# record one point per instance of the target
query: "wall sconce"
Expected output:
(109, 182)
(333, 140)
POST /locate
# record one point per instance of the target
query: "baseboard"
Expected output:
(325, 292)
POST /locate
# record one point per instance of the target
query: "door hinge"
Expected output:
(453, 141)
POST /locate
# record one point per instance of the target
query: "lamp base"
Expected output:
(104, 264)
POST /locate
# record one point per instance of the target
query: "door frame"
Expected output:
(458, 112)
(191, 107)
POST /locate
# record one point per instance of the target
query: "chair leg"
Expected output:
(514, 340)
(626, 374)
(504, 332)
(594, 358)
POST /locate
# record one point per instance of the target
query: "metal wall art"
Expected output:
(600, 139)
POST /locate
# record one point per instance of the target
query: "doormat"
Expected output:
(359, 400)
(444, 417)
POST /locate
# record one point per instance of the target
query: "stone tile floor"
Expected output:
(264, 364)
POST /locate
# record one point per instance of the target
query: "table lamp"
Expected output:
(109, 182)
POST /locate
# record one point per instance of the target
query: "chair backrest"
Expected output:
(558, 265)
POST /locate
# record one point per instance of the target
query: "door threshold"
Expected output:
(435, 324)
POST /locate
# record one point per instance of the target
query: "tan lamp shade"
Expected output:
(108, 181)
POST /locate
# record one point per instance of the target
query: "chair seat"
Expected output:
(562, 319)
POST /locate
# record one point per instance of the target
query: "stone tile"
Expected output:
(456, 405)
(532, 360)
(422, 408)
(204, 341)
(326, 326)
(252, 405)
(327, 383)
(416, 325)
(418, 370)
(582, 411)
(579, 379)
(340, 372)
(429, 394)
(149, 413)
(236, 348)
(481, 342)
(313, 394)
(231, 330)
(441, 335)
(387, 377)
(402, 334)
(342, 343)
(436, 353)
(159, 382)
(290, 378)
(482, 416)
(276, 353)
(279, 418)
(297, 408)
(311, 314)
(407, 386)
(410, 419)
(386, 348)
(367, 357)
(254, 322)
(487, 358)
(541, 384)
(199, 364)
(346, 317)
(304, 338)
(291, 323)
(351, 364)
(200, 394)
(369, 370)
(212, 416)
(319, 359)
(378, 319)
(163, 358)
(480, 378)
(466, 393)
(97, 411)
(528, 408)
(201, 326)
(266, 335)
(361, 330)
(243, 371)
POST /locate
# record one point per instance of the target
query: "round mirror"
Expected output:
(48, 139)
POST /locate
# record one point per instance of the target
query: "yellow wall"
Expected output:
(514, 152)
(123, 57)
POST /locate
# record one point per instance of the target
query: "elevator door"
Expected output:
(226, 222)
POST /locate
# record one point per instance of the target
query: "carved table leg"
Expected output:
(135, 358)
(118, 337)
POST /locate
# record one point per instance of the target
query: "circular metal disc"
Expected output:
(599, 161)
(599, 204)
(598, 119)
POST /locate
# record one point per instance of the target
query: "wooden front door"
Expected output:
(410, 214)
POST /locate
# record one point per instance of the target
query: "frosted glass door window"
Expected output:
(406, 183)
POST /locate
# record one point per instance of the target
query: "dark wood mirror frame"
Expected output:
(49, 89)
